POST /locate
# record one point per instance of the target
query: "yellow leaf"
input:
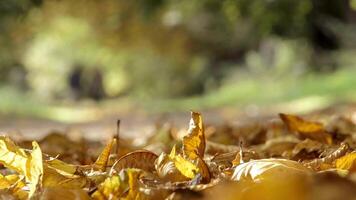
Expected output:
(101, 163)
(36, 169)
(61, 167)
(194, 142)
(306, 129)
(134, 192)
(14, 185)
(27, 164)
(52, 178)
(112, 188)
(13, 157)
(187, 168)
(167, 170)
(347, 162)
(122, 186)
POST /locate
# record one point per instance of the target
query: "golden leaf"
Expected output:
(194, 142)
(141, 159)
(61, 167)
(36, 168)
(167, 170)
(13, 157)
(347, 162)
(101, 163)
(122, 186)
(27, 164)
(175, 167)
(52, 178)
(112, 188)
(306, 129)
(14, 185)
(134, 192)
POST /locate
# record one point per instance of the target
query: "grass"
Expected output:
(305, 93)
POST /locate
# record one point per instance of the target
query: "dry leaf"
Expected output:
(111, 188)
(141, 159)
(347, 162)
(27, 164)
(306, 129)
(36, 169)
(258, 170)
(101, 163)
(122, 186)
(194, 142)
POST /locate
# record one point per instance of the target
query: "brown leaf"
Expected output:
(141, 159)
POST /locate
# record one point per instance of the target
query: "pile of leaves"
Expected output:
(290, 158)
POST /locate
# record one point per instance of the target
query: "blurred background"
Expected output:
(76, 61)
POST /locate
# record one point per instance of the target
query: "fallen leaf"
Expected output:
(347, 162)
(141, 159)
(307, 129)
(194, 141)
(36, 169)
(111, 188)
(101, 163)
(272, 168)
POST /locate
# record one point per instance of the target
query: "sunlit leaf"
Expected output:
(36, 169)
(112, 188)
(14, 184)
(258, 170)
(347, 162)
(307, 129)
(13, 157)
(134, 192)
(27, 164)
(194, 142)
(101, 163)
(167, 170)
(61, 167)
(51, 178)
(122, 186)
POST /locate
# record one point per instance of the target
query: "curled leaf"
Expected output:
(141, 159)
(258, 170)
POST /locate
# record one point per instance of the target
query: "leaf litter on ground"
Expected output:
(293, 158)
